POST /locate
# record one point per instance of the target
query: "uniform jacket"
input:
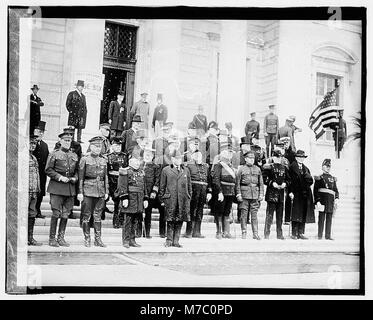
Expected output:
(35, 116)
(93, 178)
(34, 181)
(275, 172)
(252, 128)
(212, 148)
(117, 117)
(74, 147)
(271, 123)
(326, 197)
(115, 162)
(260, 158)
(249, 182)
(175, 192)
(223, 180)
(41, 153)
(142, 109)
(152, 177)
(62, 163)
(160, 114)
(77, 107)
(131, 186)
(199, 173)
(300, 186)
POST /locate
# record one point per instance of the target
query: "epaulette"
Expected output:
(317, 177)
(123, 171)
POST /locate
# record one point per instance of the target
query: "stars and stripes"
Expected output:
(325, 115)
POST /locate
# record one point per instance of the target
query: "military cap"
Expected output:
(249, 154)
(149, 148)
(64, 134)
(136, 118)
(291, 118)
(228, 125)
(80, 83)
(192, 125)
(252, 113)
(284, 139)
(213, 124)
(35, 87)
(96, 140)
(327, 162)
(271, 106)
(300, 154)
(41, 125)
(105, 126)
(280, 144)
(172, 138)
(194, 139)
(117, 140)
(69, 129)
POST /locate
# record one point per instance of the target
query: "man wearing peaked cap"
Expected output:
(62, 169)
(74, 146)
(326, 197)
(117, 115)
(252, 127)
(271, 126)
(160, 115)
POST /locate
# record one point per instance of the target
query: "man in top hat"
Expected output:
(249, 190)
(200, 122)
(41, 153)
(93, 190)
(252, 127)
(129, 136)
(212, 143)
(270, 129)
(175, 192)
(326, 196)
(116, 160)
(35, 104)
(62, 169)
(141, 108)
(160, 115)
(160, 143)
(223, 178)
(33, 192)
(300, 193)
(201, 191)
(117, 115)
(77, 108)
(276, 177)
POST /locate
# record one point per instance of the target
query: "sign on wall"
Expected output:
(93, 83)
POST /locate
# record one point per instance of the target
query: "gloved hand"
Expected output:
(162, 204)
(80, 197)
(220, 197)
(106, 196)
(283, 185)
(239, 198)
(125, 203)
(275, 185)
(146, 203)
(73, 180)
(291, 195)
(64, 179)
(153, 195)
(110, 121)
(208, 197)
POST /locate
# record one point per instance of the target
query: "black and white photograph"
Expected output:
(159, 149)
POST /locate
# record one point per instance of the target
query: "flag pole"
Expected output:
(336, 85)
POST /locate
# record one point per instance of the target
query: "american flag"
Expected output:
(325, 115)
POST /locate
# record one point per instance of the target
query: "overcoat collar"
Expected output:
(175, 171)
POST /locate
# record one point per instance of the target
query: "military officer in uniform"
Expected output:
(116, 159)
(201, 191)
(134, 199)
(223, 191)
(33, 192)
(276, 177)
(93, 190)
(252, 127)
(260, 158)
(326, 199)
(62, 169)
(249, 192)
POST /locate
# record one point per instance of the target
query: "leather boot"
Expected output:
(219, 226)
(125, 242)
(197, 230)
(52, 232)
(147, 229)
(254, 227)
(243, 226)
(87, 233)
(226, 233)
(98, 242)
(30, 227)
(61, 233)
(177, 231)
(188, 230)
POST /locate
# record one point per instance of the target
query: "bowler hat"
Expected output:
(41, 125)
(252, 113)
(300, 154)
(80, 83)
(271, 106)
(327, 162)
(35, 87)
(136, 118)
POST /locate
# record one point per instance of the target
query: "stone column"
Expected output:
(232, 75)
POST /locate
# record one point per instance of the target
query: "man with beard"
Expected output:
(301, 195)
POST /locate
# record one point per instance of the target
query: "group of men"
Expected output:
(178, 176)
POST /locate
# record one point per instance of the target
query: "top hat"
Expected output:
(300, 154)
(41, 125)
(244, 140)
(327, 162)
(35, 86)
(64, 134)
(96, 140)
(80, 83)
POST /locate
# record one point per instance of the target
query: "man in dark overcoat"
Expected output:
(175, 192)
(301, 194)
(62, 169)
(77, 107)
(41, 153)
(129, 136)
(160, 115)
(117, 115)
(35, 104)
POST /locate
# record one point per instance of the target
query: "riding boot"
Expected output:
(219, 226)
(147, 229)
(197, 229)
(97, 228)
(87, 233)
(125, 242)
(226, 233)
(31, 241)
(61, 233)
(52, 232)
(188, 229)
